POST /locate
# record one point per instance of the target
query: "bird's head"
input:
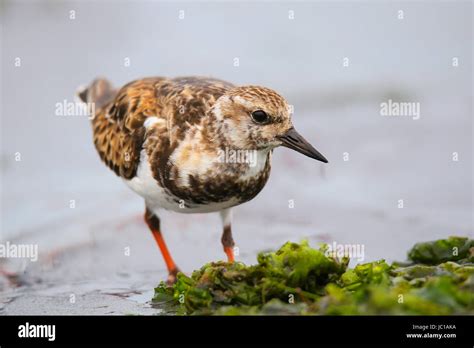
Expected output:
(258, 118)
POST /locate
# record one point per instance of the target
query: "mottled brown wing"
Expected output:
(185, 103)
(118, 126)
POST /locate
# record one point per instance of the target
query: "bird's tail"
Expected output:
(98, 93)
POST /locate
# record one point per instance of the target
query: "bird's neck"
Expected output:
(236, 156)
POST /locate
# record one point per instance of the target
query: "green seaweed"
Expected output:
(300, 280)
(443, 250)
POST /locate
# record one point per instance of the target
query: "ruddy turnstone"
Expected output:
(177, 143)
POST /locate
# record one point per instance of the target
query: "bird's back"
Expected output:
(118, 125)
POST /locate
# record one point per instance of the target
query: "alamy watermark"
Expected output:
(237, 156)
(352, 251)
(406, 109)
(21, 251)
(28, 330)
(73, 108)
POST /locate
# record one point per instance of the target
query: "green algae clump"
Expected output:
(443, 250)
(300, 280)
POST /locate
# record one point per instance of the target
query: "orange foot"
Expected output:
(172, 276)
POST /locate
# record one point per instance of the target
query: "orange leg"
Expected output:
(230, 254)
(228, 243)
(154, 224)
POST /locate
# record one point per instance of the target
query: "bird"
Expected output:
(175, 141)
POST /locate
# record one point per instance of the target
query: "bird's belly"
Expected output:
(157, 198)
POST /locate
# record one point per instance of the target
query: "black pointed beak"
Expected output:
(293, 140)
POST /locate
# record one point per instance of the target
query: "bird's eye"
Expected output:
(260, 116)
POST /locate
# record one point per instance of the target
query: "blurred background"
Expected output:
(336, 62)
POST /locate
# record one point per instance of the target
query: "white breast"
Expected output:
(157, 198)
